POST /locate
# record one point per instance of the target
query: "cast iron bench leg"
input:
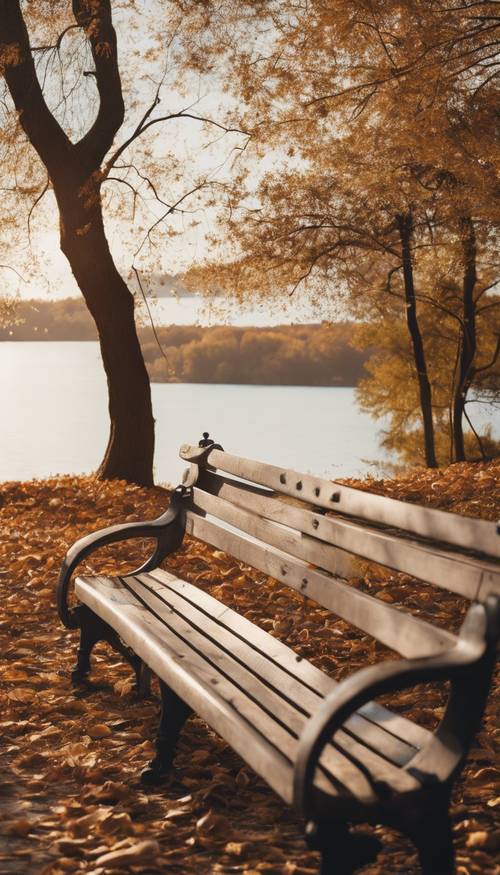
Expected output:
(432, 835)
(92, 630)
(342, 852)
(174, 713)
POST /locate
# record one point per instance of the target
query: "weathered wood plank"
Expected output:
(477, 535)
(311, 677)
(245, 648)
(192, 679)
(302, 546)
(400, 631)
(202, 682)
(247, 671)
(451, 571)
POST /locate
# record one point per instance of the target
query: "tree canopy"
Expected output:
(382, 125)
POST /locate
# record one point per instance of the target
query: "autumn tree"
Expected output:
(387, 113)
(389, 390)
(313, 228)
(79, 157)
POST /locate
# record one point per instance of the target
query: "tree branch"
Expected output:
(35, 204)
(18, 68)
(58, 43)
(97, 22)
(493, 359)
(171, 371)
(476, 435)
(144, 125)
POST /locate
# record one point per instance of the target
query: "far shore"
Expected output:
(317, 354)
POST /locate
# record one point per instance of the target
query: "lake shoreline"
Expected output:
(55, 419)
(305, 354)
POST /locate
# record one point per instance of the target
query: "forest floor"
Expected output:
(70, 759)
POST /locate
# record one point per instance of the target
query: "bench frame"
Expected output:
(468, 666)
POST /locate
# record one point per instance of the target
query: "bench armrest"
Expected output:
(477, 639)
(167, 530)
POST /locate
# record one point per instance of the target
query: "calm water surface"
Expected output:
(54, 418)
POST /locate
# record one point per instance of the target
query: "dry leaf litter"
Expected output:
(70, 798)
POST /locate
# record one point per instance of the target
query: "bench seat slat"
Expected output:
(311, 678)
(189, 662)
(190, 676)
(257, 677)
(473, 534)
(246, 648)
(399, 631)
(472, 578)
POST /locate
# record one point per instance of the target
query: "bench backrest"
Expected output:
(304, 531)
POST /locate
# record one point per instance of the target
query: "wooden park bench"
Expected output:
(329, 749)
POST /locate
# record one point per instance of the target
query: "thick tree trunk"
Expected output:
(468, 339)
(129, 454)
(405, 226)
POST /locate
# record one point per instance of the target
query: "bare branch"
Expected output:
(493, 361)
(481, 448)
(144, 125)
(58, 42)
(153, 326)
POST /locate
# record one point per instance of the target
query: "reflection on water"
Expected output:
(54, 418)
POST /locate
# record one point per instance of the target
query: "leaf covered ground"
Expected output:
(70, 799)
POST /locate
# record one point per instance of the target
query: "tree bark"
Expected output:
(75, 172)
(129, 454)
(468, 338)
(405, 227)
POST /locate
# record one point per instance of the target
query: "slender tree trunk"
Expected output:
(468, 339)
(129, 454)
(405, 226)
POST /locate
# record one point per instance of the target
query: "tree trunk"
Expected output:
(405, 226)
(129, 454)
(75, 170)
(468, 339)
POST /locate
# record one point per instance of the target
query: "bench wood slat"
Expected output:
(311, 677)
(245, 669)
(216, 701)
(402, 632)
(472, 578)
(251, 521)
(473, 534)
(246, 649)
(147, 631)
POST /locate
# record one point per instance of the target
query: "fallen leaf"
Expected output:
(99, 730)
(135, 855)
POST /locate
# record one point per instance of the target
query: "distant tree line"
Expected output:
(300, 355)
(68, 319)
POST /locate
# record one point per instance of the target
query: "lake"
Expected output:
(54, 419)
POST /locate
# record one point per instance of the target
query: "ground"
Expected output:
(71, 758)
